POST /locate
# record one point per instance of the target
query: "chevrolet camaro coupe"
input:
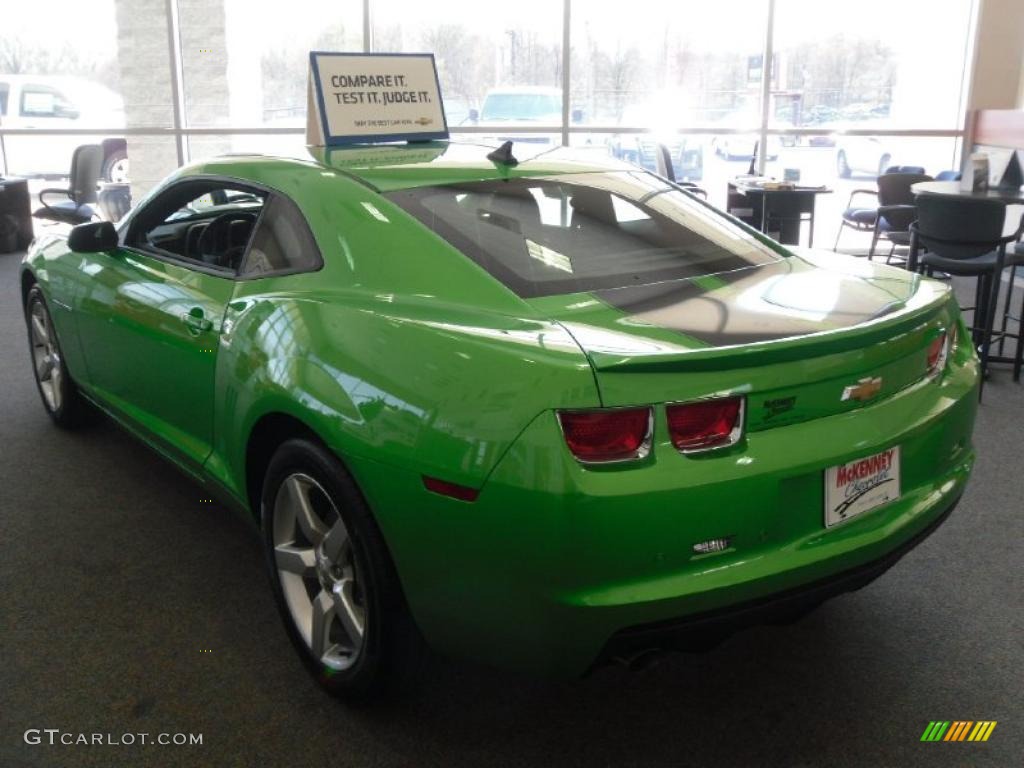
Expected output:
(545, 414)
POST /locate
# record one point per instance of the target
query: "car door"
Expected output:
(151, 313)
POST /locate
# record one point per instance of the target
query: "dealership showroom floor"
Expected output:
(131, 604)
(582, 362)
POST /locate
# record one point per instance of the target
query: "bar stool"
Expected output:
(964, 237)
(1008, 315)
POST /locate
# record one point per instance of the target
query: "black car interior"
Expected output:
(203, 222)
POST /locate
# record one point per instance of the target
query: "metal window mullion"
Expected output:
(766, 88)
(177, 78)
(566, 59)
(367, 28)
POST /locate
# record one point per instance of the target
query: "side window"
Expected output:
(205, 222)
(282, 243)
(4, 90)
(43, 101)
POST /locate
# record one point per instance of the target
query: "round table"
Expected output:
(1008, 196)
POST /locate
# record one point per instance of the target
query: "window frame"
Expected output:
(128, 232)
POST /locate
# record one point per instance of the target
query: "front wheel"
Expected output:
(59, 394)
(333, 578)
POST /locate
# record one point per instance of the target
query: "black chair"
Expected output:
(1017, 260)
(891, 218)
(859, 218)
(896, 211)
(76, 208)
(904, 169)
(663, 164)
(964, 237)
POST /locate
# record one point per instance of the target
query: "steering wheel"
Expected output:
(214, 246)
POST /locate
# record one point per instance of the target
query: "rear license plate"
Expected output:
(861, 485)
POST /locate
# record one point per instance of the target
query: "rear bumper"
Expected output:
(704, 630)
(555, 566)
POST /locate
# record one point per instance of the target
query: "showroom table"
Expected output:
(755, 205)
(1008, 196)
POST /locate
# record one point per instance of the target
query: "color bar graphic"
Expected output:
(958, 730)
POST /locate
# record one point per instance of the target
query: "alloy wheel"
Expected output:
(318, 572)
(46, 356)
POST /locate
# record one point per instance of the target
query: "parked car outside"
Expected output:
(508, 109)
(46, 102)
(865, 155)
(740, 146)
(663, 122)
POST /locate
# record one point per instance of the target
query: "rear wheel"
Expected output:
(59, 394)
(333, 578)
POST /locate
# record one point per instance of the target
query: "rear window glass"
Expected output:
(583, 232)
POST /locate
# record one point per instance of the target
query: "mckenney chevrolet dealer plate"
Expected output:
(861, 485)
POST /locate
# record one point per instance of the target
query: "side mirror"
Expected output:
(93, 237)
(577, 116)
(67, 111)
(474, 115)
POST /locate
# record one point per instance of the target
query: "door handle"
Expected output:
(195, 320)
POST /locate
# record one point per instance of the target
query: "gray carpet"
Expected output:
(114, 576)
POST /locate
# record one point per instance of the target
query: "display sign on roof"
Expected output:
(359, 98)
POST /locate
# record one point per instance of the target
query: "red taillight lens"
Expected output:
(937, 352)
(607, 435)
(705, 424)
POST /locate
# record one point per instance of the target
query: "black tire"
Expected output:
(391, 654)
(63, 402)
(842, 167)
(111, 161)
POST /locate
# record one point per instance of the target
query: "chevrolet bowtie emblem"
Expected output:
(423, 120)
(865, 389)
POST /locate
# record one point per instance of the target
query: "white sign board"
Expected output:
(357, 98)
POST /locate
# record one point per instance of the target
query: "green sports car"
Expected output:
(543, 415)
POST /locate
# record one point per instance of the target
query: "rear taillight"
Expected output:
(938, 351)
(706, 424)
(605, 435)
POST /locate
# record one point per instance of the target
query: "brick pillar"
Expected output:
(204, 65)
(145, 70)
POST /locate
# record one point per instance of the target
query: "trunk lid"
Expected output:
(791, 335)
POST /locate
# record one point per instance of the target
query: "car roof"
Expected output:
(389, 167)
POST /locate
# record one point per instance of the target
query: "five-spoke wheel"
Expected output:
(318, 572)
(333, 577)
(45, 355)
(59, 394)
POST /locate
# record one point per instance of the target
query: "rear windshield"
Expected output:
(582, 232)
